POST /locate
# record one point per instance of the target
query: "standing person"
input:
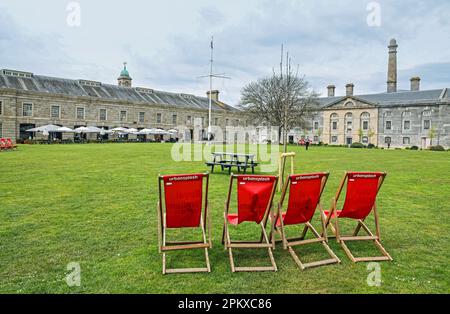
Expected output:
(389, 145)
(307, 143)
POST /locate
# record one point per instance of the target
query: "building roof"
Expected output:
(25, 81)
(400, 98)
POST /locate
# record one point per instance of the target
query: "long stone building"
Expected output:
(28, 100)
(395, 118)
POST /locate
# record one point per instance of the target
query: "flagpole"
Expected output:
(210, 89)
(211, 76)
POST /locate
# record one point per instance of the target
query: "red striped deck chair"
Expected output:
(305, 191)
(360, 201)
(183, 203)
(254, 202)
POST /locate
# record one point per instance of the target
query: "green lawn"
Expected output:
(95, 204)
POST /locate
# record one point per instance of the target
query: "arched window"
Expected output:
(348, 115)
(365, 121)
(406, 113)
(334, 116)
(348, 104)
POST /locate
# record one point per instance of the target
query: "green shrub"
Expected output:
(371, 145)
(437, 148)
(414, 147)
(357, 145)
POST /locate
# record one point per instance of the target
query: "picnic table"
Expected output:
(229, 160)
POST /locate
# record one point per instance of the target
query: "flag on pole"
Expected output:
(212, 45)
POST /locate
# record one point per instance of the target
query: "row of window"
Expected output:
(407, 125)
(406, 140)
(349, 124)
(349, 115)
(55, 112)
(365, 140)
(388, 125)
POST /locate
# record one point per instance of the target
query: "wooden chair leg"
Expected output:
(164, 263)
(272, 260)
(319, 239)
(230, 252)
(205, 240)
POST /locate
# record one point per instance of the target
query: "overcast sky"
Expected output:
(166, 43)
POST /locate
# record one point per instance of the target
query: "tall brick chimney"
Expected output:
(415, 83)
(349, 89)
(331, 89)
(392, 67)
(214, 95)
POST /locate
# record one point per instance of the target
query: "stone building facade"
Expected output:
(395, 118)
(28, 100)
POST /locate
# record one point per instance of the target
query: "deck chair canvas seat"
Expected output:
(305, 191)
(182, 205)
(254, 201)
(360, 200)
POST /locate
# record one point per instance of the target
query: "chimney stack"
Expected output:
(349, 89)
(214, 95)
(415, 83)
(392, 67)
(331, 89)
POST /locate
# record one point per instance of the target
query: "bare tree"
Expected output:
(283, 99)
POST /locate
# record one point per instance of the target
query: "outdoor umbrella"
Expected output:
(48, 128)
(131, 130)
(94, 129)
(103, 131)
(146, 131)
(64, 129)
(159, 132)
(119, 129)
(82, 129)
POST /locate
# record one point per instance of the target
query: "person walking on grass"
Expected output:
(307, 143)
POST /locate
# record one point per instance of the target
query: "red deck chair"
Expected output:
(360, 201)
(254, 201)
(183, 206)
(305, 191)
(3, 145)
(10, 144)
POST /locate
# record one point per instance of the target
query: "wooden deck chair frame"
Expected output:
(263, 242)
(205, 226)
(289, 243)
(341, 239)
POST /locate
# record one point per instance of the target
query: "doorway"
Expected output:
(23, 134)
(349, 141)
